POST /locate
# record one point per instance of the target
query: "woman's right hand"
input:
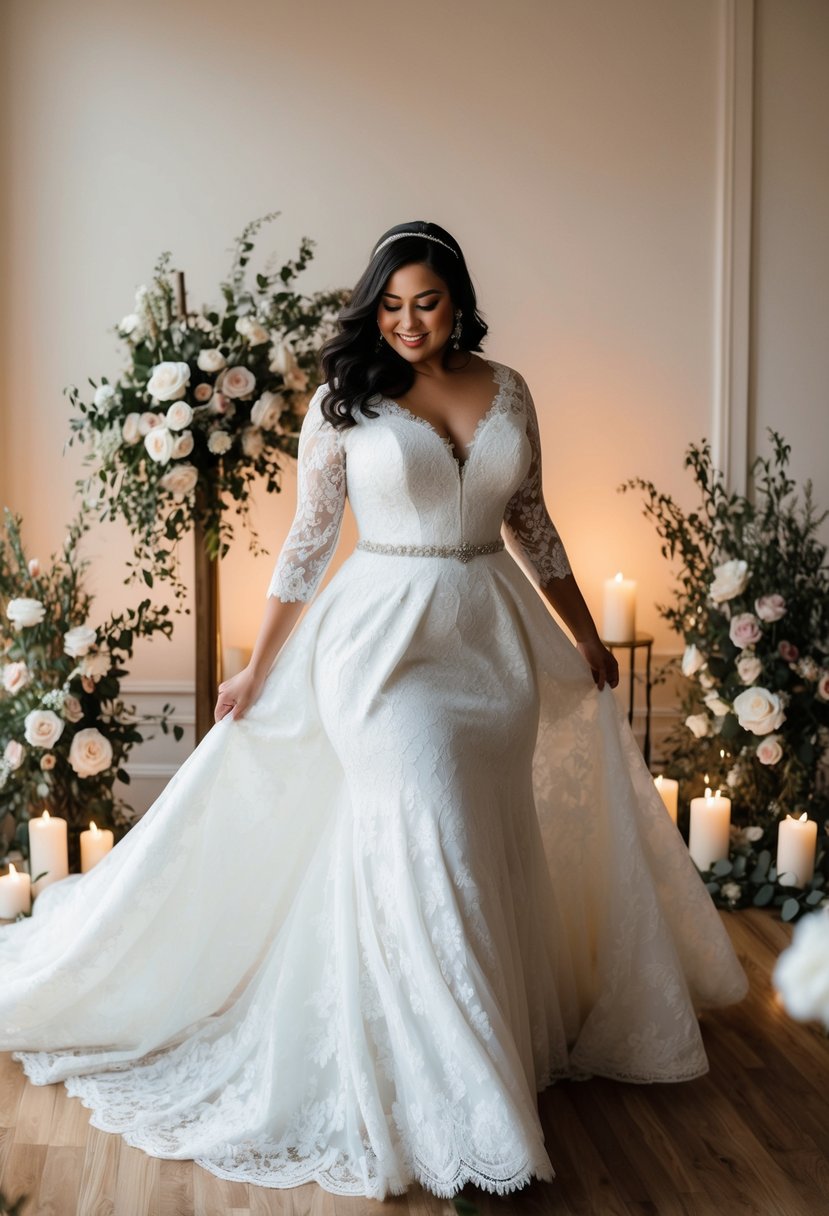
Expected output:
(237, 694)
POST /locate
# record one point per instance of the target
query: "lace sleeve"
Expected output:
(321, 492)
(526, 517)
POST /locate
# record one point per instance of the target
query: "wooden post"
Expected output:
(208, 625)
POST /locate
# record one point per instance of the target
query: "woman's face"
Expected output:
(416, 305)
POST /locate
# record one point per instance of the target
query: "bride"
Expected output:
(417, 871)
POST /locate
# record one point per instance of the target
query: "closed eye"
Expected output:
(423, 308)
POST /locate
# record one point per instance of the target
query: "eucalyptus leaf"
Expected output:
(790, 909)
(764, 896)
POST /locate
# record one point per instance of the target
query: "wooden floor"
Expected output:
(752, 1136)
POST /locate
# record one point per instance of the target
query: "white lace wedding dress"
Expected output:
(425, 876)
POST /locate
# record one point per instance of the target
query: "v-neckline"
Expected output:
(445, 440)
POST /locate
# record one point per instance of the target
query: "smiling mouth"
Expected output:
(412, 339)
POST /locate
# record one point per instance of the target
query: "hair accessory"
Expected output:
(426, 236)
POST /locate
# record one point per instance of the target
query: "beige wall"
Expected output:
(570, 145)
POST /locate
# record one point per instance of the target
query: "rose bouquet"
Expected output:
(208, 402)
(752, 606)
(65, 733)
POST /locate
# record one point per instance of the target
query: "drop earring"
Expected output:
(456, 332)
(380, 339)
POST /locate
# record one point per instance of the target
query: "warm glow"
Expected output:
(12, 870)
(658, 781)
(708, 793)
(618, 577)
(92, 826)
(46, 815)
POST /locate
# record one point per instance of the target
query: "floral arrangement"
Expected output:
(752, 606)
(65, 734)
(206, 405)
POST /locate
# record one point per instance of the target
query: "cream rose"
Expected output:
(131, 326)
(745, 630)
(72, 710)
(169, 381)
(252, 441)
(692, 661)
(282, 358)
(749, 667)
(267, 411)
(770, 607)
(801, 973)
(759, 711)
(24, 612)
(183, 445)
(717, 706)
(178, 416)
(699, 725)
(769, 750)
(250, 329)
(104, 393)
(181, 479)
(730, 579)
(90, 752)
(95, 666)
(148, 420)
(238, 382)
(48, 761)
(211, 360)
(130, 432)
(15, 676)
(14, 754)
(203, 392)
(77, 641)
(159, 444)
(219, 442)
(706, 679)
(822, 690)
(43, 728)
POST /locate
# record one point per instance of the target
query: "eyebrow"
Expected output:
(433, 291)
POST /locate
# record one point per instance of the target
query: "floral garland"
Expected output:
(752, 606)
(207, 405)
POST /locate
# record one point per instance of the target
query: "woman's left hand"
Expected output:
(603, 665)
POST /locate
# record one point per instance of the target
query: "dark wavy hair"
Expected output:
(351, 363)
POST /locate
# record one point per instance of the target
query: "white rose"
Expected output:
(77, 641)
(179, 415)
(14, 754)
(203, 392)
(219, 442)
(159, 444)
(104, 393)
(43, 728)
(699, 725)
(25, 612)
(250, 328)
(238, 382)
(759, 711)
(801, 973)
(130, 431)
(72, 710)
(282, 358)
(753, 834)
(692, 660)
(96, 665)
(211, 360)
(169, 381)
(822, 690)
(90, 752)
(181, 479)
(706, 679)
(148, 420)
(749, 667)
(717, 706)
(770, 607)
(15, 676)
(730, 579)
(131, 326)
(183, 445)
(267, 411)
(252, 442)
(769, 750)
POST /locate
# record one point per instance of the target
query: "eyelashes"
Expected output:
(423, 308)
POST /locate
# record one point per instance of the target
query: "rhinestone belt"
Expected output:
(462, 552)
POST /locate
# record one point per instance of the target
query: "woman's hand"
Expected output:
(237, 694)
(602, 663)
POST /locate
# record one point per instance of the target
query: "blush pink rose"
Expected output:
(745, 630)
(770, 607)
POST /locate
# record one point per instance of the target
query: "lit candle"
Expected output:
(95, 844)
(15, 894)
(710, 829)
(48, 850)
(669, 793)
(619, 621)
(796, 847)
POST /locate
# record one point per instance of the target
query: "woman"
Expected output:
(418, 870)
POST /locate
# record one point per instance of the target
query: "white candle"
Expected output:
(796, 847)
(619, 620)
(48, 850)
(95, 844)
(669, 793)
(15, 894)
(710, 829)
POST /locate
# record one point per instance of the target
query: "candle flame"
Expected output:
(12, 870)
(706, 779)
(798, 818)
(46, 815)
(658, 780)
(92, 826)
(618, 577)
(722, 753)
(708, 793)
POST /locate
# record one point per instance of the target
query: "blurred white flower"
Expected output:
(25, 612)
(770, 607)
(730, 579)
(699, 725)
(282, 358)
(801, 973)
(96, 665)
(253, 441)
(104, 393)
(219, 442)
(252, 331)
(159, 444)
(14, 754)
(692, 661)
(211, 360)
(769, 750)
(183, 445)
(16, 676)
(238, 382)
(148, 420)
(178, 416)
(180, 479)
(731, 890)
(78, 641)
(72, 710)
(169, 381)
(130, 432)
(267, 411)
(716, 704)
(749, 667)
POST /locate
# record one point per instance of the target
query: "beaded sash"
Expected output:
(462, 552)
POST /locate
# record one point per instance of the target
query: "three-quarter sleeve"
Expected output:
(526, 517)
(321, 493)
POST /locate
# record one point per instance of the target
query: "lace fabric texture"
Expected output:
(425, 876)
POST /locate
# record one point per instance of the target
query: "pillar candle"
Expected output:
(619, 619)
(15, 894)
(796, 846)
(710, 829)
(669, 793)
(95, 844)
(48, 850)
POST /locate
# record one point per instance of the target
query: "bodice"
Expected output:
(407, 487)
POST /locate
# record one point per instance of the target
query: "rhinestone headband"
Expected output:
(426, 236)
